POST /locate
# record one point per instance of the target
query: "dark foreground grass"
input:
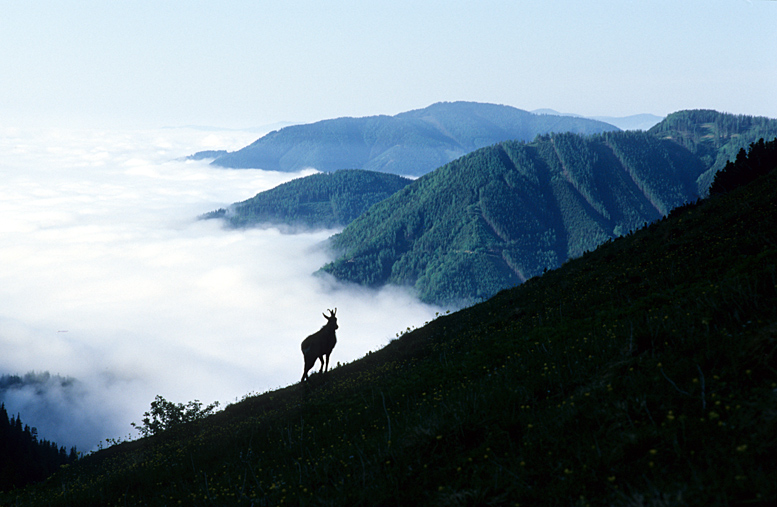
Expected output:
(642, 374)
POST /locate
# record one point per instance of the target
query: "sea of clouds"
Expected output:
(108, 280)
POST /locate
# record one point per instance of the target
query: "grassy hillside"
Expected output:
(323, 200)
(642, 373)
(411, 143)
(503, 214)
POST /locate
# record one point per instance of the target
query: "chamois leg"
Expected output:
(308, 365)
(327, 363)
(322, 364)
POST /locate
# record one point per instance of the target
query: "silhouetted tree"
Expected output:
(165, 415)
(23, 457)
(747, 167)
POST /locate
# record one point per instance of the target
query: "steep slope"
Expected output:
(318, 201)
(411, 143)
(640, 374)
(503, 214)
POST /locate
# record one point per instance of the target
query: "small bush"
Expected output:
(165, 415)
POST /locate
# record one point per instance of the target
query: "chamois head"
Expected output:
(331, 320)
(320, 344)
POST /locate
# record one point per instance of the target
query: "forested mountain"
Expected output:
(503, 214)
(411, 143)
(714, 137)
(323, 200)
(25, 458)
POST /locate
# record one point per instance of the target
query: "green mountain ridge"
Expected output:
(714, 137)
(503, 214)
(318, 201)
(410, 143)
(641, 373)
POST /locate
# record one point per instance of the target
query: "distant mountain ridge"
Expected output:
(410, 143)
(642, 121)
(503, 214)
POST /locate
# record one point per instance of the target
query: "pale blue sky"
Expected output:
(250, 63)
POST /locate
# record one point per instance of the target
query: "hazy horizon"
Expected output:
(238, 64)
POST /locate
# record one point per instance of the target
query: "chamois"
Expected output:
(320, 344)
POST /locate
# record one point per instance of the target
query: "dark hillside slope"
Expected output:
(714, 137)
(503, 214)
(748, 167)
(411, 143)
(642, 373)
(318, 201)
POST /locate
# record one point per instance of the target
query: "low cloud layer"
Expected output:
(106, 276)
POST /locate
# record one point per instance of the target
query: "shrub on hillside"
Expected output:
(165, 415)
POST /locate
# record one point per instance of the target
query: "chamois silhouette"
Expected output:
(320, 344)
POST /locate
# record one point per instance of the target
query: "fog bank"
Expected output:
(106, 276)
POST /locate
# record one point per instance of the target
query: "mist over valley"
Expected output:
(107, 276)
(501, 214)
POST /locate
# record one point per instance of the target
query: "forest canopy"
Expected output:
(318, 201)
(24, 458)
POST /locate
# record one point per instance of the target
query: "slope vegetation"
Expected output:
(503, 214)
(639, 374)
(321, 201)
(411, 143)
